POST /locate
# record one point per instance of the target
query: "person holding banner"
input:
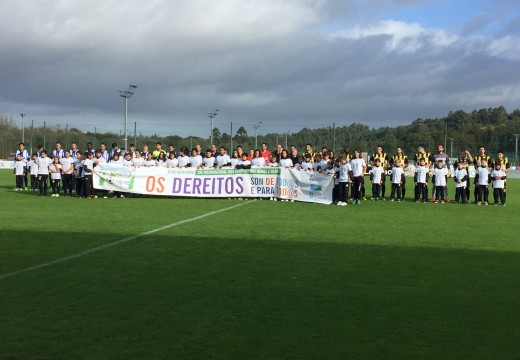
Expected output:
(285, 160)
(223, 158)
(258, 159)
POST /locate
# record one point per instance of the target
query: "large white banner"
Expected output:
(257, 182)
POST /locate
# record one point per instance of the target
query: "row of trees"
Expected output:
(493, 128)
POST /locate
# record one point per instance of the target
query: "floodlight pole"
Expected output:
(211, 117)
(516, 149)
(256, 126)
(451, 148)
(127, 95)
(23, 128)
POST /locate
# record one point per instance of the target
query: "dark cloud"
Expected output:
(317, 65)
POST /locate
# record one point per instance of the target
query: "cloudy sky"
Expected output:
(288, 64)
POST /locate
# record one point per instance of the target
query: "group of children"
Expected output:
(71, 171)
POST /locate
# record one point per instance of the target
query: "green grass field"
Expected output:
(257, 280)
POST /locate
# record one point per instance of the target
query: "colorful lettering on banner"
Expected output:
(256, 182)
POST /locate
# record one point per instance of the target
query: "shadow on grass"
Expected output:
(168, 296)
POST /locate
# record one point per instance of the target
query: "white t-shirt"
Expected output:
(33, 167)
(209, 162)
(421, 172)
(344, 170)
(183, 161)
(498, 184)
(459, 174)
(357, 166)
(440, 176)
(376, 172)
(68, 163)
(55, 171)
(287, 163)
(150, 163)
(397, 171)
(137, 162)
(172, 163)
(483, 175)
(259, 161)
(234, 162)
(223, 160)
(43, 166)
(195, 161)
(306, 165)
(88, 164)
(19, 167)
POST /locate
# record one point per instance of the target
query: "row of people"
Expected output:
(307, 161)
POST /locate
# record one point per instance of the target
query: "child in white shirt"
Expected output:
(397, 180)
(376, 176)
(461, 180)
(422, 173)
(499, 176)
(440, 173)
(482, 178)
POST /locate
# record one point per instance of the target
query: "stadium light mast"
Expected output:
(23, 128)
(127, 95)
(451, 148)
(516, 149)
(211, 116)
(256, 126)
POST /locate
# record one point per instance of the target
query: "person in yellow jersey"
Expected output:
(158, 150)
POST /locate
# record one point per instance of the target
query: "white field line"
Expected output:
(117, 242)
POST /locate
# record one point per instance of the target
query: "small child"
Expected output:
(345, 171)
(397, 180)
(307, 163)
(273, 161)
(43, 172)
(32, 166)
(329, 170)
(299, 164)
(499, 176)
(19, 171)
(183, 160)
(461, 180)
(55, 170)
(376, 176)
(209, 160)
(245, 163)
(88, 170)
(172, 161)
(150, 161)
(440, 173)
(78, 174)
(422, 173)
(482, 179)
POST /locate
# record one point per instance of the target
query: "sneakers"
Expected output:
(432, 200)
(339, 203)
(436, 201)
(442, 201)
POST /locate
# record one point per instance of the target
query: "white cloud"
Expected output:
(507, 47)
(401, 37)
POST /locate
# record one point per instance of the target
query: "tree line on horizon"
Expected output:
(493, 128)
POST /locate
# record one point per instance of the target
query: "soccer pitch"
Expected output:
(160, 278)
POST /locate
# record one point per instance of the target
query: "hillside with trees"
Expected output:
(493, 128)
